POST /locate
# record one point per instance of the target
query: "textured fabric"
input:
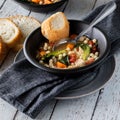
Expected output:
(110, 25)
(29, 89)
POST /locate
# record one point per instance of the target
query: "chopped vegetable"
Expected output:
(47, 1)
(60, 65)
(53, 53)
(42, 53)
(90, 42)
(70, 46)
(86, 50)
(94, 49)
(35, 1)
(72, 58)
(91, 60)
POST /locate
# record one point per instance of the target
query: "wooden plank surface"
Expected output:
(7, 112)
(75, 109)
(101, 2)
(108, 107)
(102, 105)
(77, 9)
(10, 8)
(44, 115)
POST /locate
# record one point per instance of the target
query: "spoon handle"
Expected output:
(108, 9)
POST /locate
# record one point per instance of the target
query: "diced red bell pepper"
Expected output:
(72, 58)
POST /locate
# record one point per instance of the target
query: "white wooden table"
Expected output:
(101, 105)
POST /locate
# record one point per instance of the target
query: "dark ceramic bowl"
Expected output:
(40, 8)
(35, 39)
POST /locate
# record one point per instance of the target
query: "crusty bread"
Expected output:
(26, 25)
(9, 32)
(3, 49)
(55, 27)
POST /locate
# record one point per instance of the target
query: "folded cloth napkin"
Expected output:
(29, 89)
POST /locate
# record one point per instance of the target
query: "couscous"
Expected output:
(83, 53)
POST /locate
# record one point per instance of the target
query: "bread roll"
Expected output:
(9, 32)
(55, 27)
(26, 24)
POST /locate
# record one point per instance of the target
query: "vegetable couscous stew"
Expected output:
(83, 53)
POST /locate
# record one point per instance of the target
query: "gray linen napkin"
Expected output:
(29, 89)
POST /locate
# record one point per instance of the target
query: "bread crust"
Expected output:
(53, 34)
(17, 35)
(3, 49)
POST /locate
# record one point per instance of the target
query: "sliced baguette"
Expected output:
(26, 25)
(9, 32)
(55, 27)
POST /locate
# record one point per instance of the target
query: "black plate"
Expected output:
(87, 86)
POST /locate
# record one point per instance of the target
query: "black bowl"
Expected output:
(35, 39)
(40, 8)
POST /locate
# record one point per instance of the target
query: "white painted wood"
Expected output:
(78, 9)
(101, 2)
(76, 109)
(7, 111)
(44, 115)
(11, 8)
(108, 107)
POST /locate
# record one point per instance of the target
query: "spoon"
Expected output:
(108, 9)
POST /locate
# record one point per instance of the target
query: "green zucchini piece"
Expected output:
(51, 54)
(86, 50)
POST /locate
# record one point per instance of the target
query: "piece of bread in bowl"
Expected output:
(55, 27)
(9, 32)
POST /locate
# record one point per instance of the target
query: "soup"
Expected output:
(83, 53)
